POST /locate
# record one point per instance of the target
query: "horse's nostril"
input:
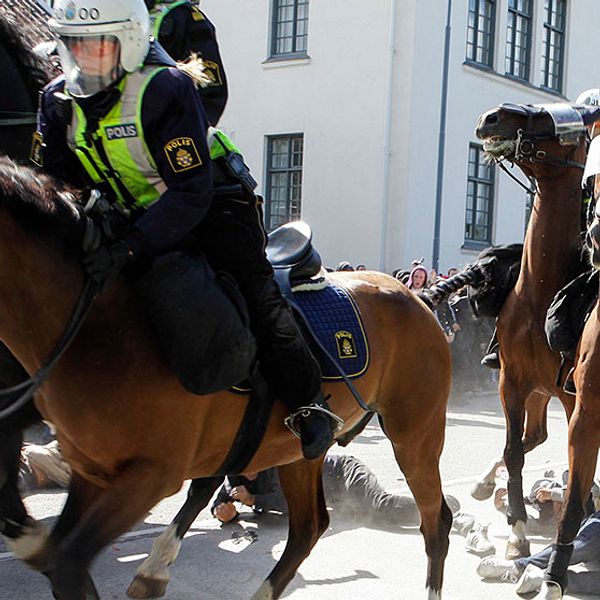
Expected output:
(491, 119)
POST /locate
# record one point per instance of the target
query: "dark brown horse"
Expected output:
(584, 430)
(528, 137)
(132, 434)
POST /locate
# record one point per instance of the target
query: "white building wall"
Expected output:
(337, 99)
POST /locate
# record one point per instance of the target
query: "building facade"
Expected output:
(341, 108)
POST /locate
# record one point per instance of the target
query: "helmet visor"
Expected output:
(91, 63)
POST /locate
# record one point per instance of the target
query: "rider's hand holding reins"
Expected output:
(106, 262)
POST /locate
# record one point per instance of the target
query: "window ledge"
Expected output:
(487, 71)
(286, 60)
(475, 246)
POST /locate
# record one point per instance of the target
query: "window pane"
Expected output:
(289, 30)
(480, 197)
(284, 180)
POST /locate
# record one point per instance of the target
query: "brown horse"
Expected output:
(528, 137)
(132, 434)
(584, 432)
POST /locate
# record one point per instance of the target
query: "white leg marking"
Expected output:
(550, 591)
(433, 594)
(164, 552)
(517, 533)
(264, 592)
(31, 542)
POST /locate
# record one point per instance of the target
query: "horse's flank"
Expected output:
(113, 373)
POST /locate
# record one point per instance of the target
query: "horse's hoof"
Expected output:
(145, 587)
(550, 591)
(483, 490)
(517, 550)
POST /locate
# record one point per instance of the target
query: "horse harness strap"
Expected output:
(10, 118)
(31, 385)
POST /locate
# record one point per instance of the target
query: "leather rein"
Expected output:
(28, 387)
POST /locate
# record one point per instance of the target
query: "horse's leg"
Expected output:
(24, 535)
(114, 510)
(514, 457)
(152, 576)
(303, 488)
(584, 440)
(418, 457)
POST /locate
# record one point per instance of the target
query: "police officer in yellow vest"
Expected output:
(125, 119)
(182, 29)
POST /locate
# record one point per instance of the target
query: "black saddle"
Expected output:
(291, 253)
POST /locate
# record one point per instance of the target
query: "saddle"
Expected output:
(296, 263)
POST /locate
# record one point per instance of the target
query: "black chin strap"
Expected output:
(31, 385)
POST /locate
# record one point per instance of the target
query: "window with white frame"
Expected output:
(553, 48)
(518, 38)
(480, 32)
(289, 28)
(283, 202)
(480, 198)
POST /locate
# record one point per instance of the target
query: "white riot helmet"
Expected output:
(99, 40)
(590, 97)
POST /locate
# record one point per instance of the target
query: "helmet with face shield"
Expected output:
(99, 41)
(589, 97)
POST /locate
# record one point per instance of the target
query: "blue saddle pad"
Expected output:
(336, 322)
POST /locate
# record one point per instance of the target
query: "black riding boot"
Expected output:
(492, 359)
(315, 425)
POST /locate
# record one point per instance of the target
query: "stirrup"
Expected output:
(304, 411)
(568, 385)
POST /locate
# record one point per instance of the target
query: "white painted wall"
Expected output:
(337, 98)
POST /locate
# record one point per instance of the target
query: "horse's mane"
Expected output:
(40, 204)
(23, 26)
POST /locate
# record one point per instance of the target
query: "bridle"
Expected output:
(569, 127)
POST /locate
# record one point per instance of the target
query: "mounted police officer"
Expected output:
(125, 119)
(182, 29)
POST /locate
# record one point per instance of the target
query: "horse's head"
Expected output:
(536, 137)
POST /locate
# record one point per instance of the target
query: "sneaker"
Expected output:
(453, 503)
(463, 522)
(477, 542)
(531, 580)
(494, 567)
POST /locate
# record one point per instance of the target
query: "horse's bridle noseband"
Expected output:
(569, 126)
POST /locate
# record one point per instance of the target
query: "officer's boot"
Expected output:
(315, 425)
(491, 358)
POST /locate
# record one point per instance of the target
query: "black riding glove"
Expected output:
(106, 262)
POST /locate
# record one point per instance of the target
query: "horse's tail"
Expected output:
(194, 68)
(440, 292)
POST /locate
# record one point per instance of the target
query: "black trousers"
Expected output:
(233, 237)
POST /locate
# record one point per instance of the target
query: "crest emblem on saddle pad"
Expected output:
(345, 344)
(182, 154)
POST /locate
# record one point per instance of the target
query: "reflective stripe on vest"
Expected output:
(158, 14)
(120, 136)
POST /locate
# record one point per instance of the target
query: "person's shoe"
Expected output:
(494, 567)
(463, 523)
(531, 580)
(453, 504)
(491, 360)
(477, 542)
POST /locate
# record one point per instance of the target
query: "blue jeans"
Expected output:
(586, 549)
